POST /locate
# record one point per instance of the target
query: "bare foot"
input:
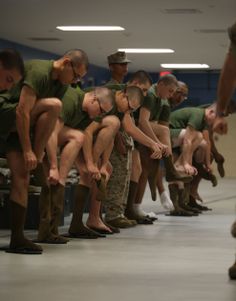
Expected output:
(190, 170)
(98, 224)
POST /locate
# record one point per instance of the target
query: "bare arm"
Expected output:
(139, 136)
(105, 161)
(51, 148)
(146, 127)
(107, 153)
(227, 82)
(187, 149)
(226, 87)
(144, 124)
(208, 149)
(88, 146)
(26, 104)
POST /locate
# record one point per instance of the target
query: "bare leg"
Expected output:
(77, 228)
(109, 127)
(194, 187)
(163, 134)
(146, 165)
(184, 162)
(136, 166)
(18, 205)
(160, 185)
(44, 115)
(73, 141)
(94, 221)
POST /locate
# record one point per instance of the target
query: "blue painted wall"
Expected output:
(202, 85)
(28, 52)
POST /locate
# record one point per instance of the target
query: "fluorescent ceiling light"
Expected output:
(146, 50)
(90, 28)
(185, 66)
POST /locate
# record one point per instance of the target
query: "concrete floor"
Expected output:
(174, 259)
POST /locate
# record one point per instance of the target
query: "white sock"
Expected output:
(138, 210)
(166, 201)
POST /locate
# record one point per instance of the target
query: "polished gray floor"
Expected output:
(174, 259)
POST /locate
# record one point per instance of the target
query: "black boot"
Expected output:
(39, 174)
(44, 214)
(57, 208)
(194, 204)
(205, 174)
(233, 229)
(129, 211)
(183, 202)
(174, 196)
(232, 272)
(172, 174)
(101, 189)
(20, 244)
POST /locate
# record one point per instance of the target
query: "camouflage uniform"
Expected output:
(118, 185)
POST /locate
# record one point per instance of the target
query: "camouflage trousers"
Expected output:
(118, 185)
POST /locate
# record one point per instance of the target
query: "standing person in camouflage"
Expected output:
(36, 102)
(226, 88)
(78, 111)
(127, 101)
(118, 65)
(121, 160)
(11, 68)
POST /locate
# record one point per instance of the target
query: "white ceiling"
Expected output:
(146, 23)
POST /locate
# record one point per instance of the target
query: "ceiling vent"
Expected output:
(210, 30)
(44, 39)
(181, 11)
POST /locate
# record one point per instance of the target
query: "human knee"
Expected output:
(136, 169)
(54, 105)
(203, 144)
(85, 179)
(112, 122)
(109, 168)
(77, 138)
(198, 136)
(20, 183)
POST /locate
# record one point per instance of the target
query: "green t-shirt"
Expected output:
(115, 87)
(72, 113)
(116, 113)
(159, 108)
(38, 76)
(113, 81)
(232, 36)
(194, 117)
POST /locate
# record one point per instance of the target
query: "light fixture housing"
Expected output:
(185, 66)
(146, 50)
(90, 28)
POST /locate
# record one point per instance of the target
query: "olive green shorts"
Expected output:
(13, 143)
(7, 118)
(174, 133)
